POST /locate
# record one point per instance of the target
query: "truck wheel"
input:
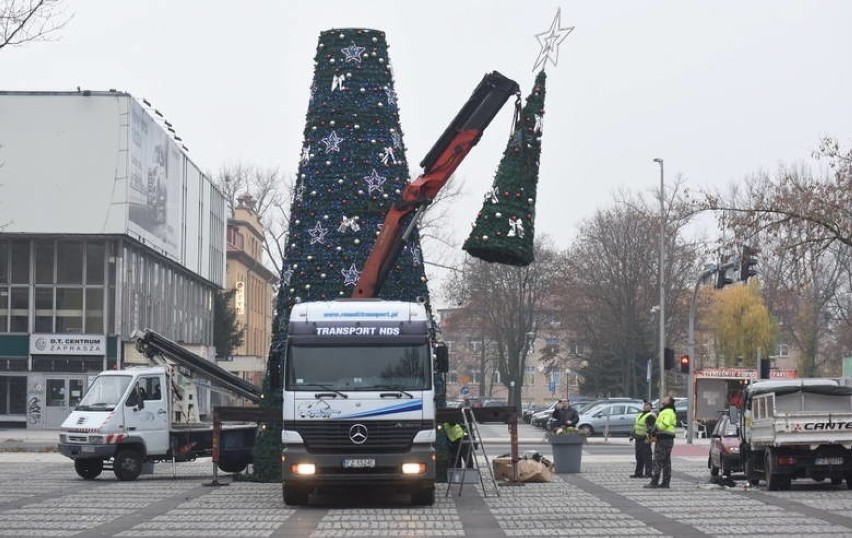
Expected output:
(774, 480)
(748, 467)
(295, 495)
(89, 468)
(849, 480)
(423, 496)
(127, 464)
(836, 479)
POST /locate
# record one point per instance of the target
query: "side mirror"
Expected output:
(442, 358)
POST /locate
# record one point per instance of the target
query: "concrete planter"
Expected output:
(567, 452)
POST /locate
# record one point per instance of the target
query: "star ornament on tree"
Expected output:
(550, 41)
(332, 142)
(374, 182)
(350, 276)
(318, 234)
(353, 54)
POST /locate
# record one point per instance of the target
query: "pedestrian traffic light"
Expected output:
(747, 263)
(722, 278)
(684, 364)
(668, 359)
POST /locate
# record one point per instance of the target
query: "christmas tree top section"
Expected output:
(352, 168)
(504, 229)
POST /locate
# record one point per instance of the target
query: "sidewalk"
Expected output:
(28, 440)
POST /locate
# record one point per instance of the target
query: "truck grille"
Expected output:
(335, 436)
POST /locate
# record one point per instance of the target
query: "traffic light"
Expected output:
(764, 368)
(668, 359)
(747, 263)
(684, 364)
(722, 278)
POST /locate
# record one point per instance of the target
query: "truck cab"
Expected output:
(358, 403)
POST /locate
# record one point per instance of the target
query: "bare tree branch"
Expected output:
(27, 21)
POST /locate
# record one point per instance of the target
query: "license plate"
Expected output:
(829, 461)
(359, 463)
(87, 449)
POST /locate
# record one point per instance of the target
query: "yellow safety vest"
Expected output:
(454, 432)
(667, 421)
(640, 427)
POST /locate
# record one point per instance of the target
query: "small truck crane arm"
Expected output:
(439, 164)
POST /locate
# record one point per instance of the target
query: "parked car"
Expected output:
(681, 405)
(529, 411)
(541, 417)
(616, 417)
(724, 455)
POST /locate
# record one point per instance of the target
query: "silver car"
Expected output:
(614, 417)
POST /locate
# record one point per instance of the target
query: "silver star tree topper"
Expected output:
(550, 41)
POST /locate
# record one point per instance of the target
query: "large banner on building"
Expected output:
(156, 176)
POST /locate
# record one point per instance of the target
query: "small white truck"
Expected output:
(797, 428)
(129, 419)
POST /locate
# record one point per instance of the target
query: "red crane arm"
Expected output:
(439, 164)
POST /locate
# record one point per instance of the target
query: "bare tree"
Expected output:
(610, 286)
(507, 301)
(271, 194)
(820, 208)
(27, 21)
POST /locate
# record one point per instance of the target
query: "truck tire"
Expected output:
(89, 468)
(127, 464)
(748, 467)
(774, 481)
(295, 495)
(423, 496)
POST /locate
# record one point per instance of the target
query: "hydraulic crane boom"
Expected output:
(152, 345)
(438, 165)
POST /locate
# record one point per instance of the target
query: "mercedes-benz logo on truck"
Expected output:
(358, 434)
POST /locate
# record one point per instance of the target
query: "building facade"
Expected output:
(106, 227)
(254, 292)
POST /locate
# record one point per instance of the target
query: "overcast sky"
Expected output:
(717, 89)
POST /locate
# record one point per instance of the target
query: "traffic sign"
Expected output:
(464, 390)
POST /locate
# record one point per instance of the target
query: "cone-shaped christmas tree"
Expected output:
(352, 168)
(504, 229)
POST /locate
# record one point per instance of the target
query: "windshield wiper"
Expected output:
(333, 391)
(396, 388)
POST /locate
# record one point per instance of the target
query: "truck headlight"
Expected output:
(96, 439)
(303, 468)
(413, 468)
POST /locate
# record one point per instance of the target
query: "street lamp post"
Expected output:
(662, 282)
(690, 350)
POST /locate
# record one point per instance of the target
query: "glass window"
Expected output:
(20, 268)
(69, 310)
(13, 395)
(19, 316)
(55, 392)
(44, 262)
(43, 310)
(70, 262)
(94, 310)
(75, 391)
(400, 367)
(110, 315)
(4, 309)
(95, 263)
(4, 262)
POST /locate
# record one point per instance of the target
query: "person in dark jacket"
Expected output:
(641, 426)
(564, 415)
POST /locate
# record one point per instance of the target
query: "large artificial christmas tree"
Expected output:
(504, 228)
(352, 168)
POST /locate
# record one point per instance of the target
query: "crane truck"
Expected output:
(358, 397)
(130, 419)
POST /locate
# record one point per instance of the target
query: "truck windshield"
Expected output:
(105, 393)
(359, 368)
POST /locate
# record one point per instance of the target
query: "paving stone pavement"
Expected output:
(40, 495)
